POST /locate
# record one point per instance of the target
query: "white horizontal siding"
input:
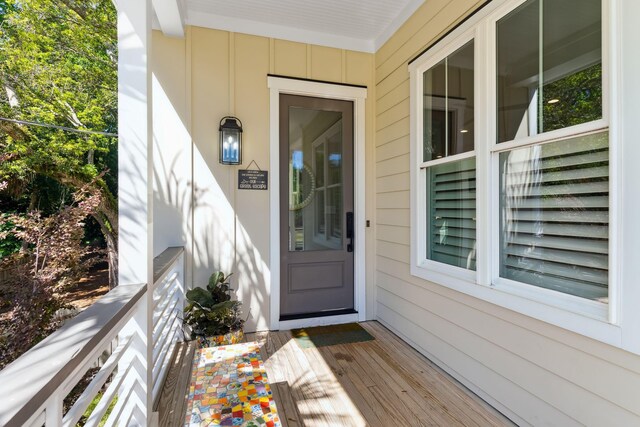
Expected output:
(397, 182)
(396, 198)
(393, 98)
(515, 352)
(394, 217)
(550, 373)
(395, 148)
(392, 166)
(536, 373)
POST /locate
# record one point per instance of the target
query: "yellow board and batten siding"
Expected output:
(226, 74)
(534, 372)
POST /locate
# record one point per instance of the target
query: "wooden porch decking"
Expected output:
(378, 383)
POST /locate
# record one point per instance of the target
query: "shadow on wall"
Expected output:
(252, 267)
(193, 200)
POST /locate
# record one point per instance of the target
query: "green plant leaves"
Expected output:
(225, 305)
(217, 277)
(211, 311)
(201, 297)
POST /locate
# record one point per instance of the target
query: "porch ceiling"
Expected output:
(362, 25)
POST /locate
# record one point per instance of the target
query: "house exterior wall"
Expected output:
(533, 372)
(171, 144)
(212, 74)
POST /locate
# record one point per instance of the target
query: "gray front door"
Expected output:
(316, 207)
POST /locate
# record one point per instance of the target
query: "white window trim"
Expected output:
(420, 266)
(596, 320)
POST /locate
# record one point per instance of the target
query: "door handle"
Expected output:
(350, 231)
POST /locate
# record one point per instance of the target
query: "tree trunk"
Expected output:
(107, 218)
(33, 201)
(110, 234)
(109, 209)
(112, 257)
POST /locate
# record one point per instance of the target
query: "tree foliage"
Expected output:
(52, 257)
(577, 99)
(58, 65)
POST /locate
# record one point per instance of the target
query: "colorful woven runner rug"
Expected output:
(229, 387)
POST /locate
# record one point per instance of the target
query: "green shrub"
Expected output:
(211, 311)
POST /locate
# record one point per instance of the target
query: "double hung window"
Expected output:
(448, 159)
(554, 195)
(510, 136)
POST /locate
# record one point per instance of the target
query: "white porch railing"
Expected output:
(33, 387)
(168, 305)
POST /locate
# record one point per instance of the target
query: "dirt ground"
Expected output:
(89, 288)
(85, 293)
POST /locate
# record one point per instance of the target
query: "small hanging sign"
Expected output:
(253, 179)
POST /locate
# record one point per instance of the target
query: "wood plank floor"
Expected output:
(376, 383)
(172, 404)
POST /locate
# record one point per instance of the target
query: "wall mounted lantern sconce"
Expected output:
(230, 141)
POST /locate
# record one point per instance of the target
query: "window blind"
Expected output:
(451, 222)
(555, 215)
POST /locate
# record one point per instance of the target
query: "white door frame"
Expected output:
(357, 95)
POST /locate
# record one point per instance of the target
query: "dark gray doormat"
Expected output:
(322, 336)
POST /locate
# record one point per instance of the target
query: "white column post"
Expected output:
(135, 184)
(135, 149)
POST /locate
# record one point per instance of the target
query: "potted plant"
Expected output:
(213, 317)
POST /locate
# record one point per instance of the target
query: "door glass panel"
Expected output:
(335, 213)
(315, 180)
(319, 164)
(320, 212)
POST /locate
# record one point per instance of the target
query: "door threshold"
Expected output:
(317, 314)
(324, 320)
